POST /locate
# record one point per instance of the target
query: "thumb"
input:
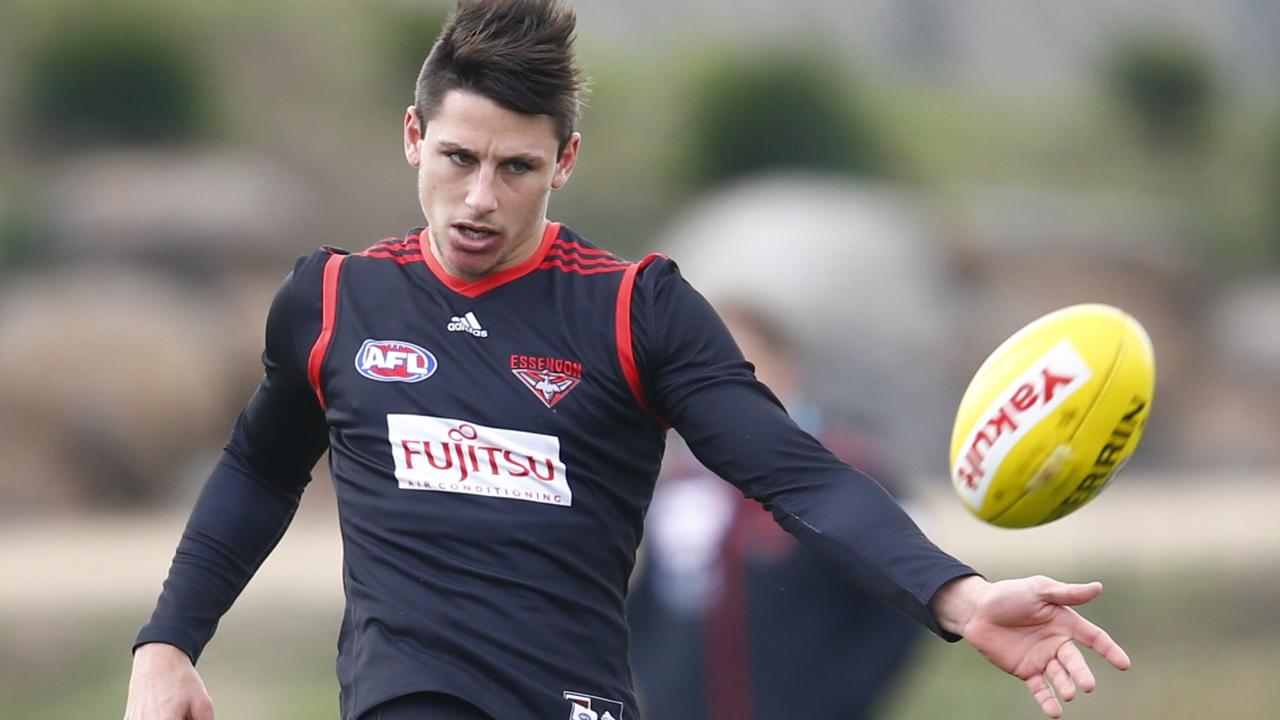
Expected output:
(1060, 593)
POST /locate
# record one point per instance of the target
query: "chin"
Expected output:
(471, 266)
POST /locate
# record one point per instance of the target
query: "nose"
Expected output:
(482, 197)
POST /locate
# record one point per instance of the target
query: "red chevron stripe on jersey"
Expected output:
(569, 246)
(583, 261)
(405, 259)
(557, 264)
(403, 251)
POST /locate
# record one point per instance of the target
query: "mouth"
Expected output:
(474, 238)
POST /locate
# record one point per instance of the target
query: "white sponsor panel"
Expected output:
(590, 707)
(1028, 400)
(447, 455)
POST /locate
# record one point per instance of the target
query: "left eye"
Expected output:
(518, 168)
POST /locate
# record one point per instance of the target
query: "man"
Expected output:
(494, 393)
(731, 619)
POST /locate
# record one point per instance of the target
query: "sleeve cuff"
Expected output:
(170, 635)
(931, 588)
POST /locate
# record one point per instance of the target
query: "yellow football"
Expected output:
(1052, 415)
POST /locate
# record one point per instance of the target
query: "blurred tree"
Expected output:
(1167, 85)
(407, 31)
(108, 75)
(779, 110)
(18, 248)
(1272, 188)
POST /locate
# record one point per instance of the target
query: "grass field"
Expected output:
(1204, 645)
(1191, 595)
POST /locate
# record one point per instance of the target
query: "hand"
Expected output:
(1026, 628)
(165, 686)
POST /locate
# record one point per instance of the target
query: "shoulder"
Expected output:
(569, 243)
(313, 263)
(572, 254)
(400, 249)
(306, 282)
(656, 281)
(309, 270)
(656, 267)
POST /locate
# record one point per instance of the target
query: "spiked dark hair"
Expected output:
(517, 53)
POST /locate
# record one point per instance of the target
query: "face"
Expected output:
(485, 175)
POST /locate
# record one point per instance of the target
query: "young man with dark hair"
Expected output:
(494, 392)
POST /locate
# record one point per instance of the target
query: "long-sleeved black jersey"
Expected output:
(494, 446)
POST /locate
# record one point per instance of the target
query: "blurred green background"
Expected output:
(161, 163)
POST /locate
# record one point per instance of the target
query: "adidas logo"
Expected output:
(469, 324)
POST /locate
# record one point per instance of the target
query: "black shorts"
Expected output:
(426, 706)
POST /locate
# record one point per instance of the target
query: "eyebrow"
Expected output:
(530, 159)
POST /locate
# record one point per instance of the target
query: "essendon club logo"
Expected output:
(394, 361)
(549, 379)
(1027, 401)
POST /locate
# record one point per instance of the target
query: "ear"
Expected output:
(413, 134)
(566, 161)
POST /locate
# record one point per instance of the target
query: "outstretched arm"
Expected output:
(700, 382)
(1028, 628)
(734, 425)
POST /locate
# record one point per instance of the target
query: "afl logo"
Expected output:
(394, 361)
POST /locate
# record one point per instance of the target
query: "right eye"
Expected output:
(459, 158)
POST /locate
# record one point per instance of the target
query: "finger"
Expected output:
(1060, 593)
(1092, 636)
(1061, 680)
(1043, 695)
(1072, 661)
